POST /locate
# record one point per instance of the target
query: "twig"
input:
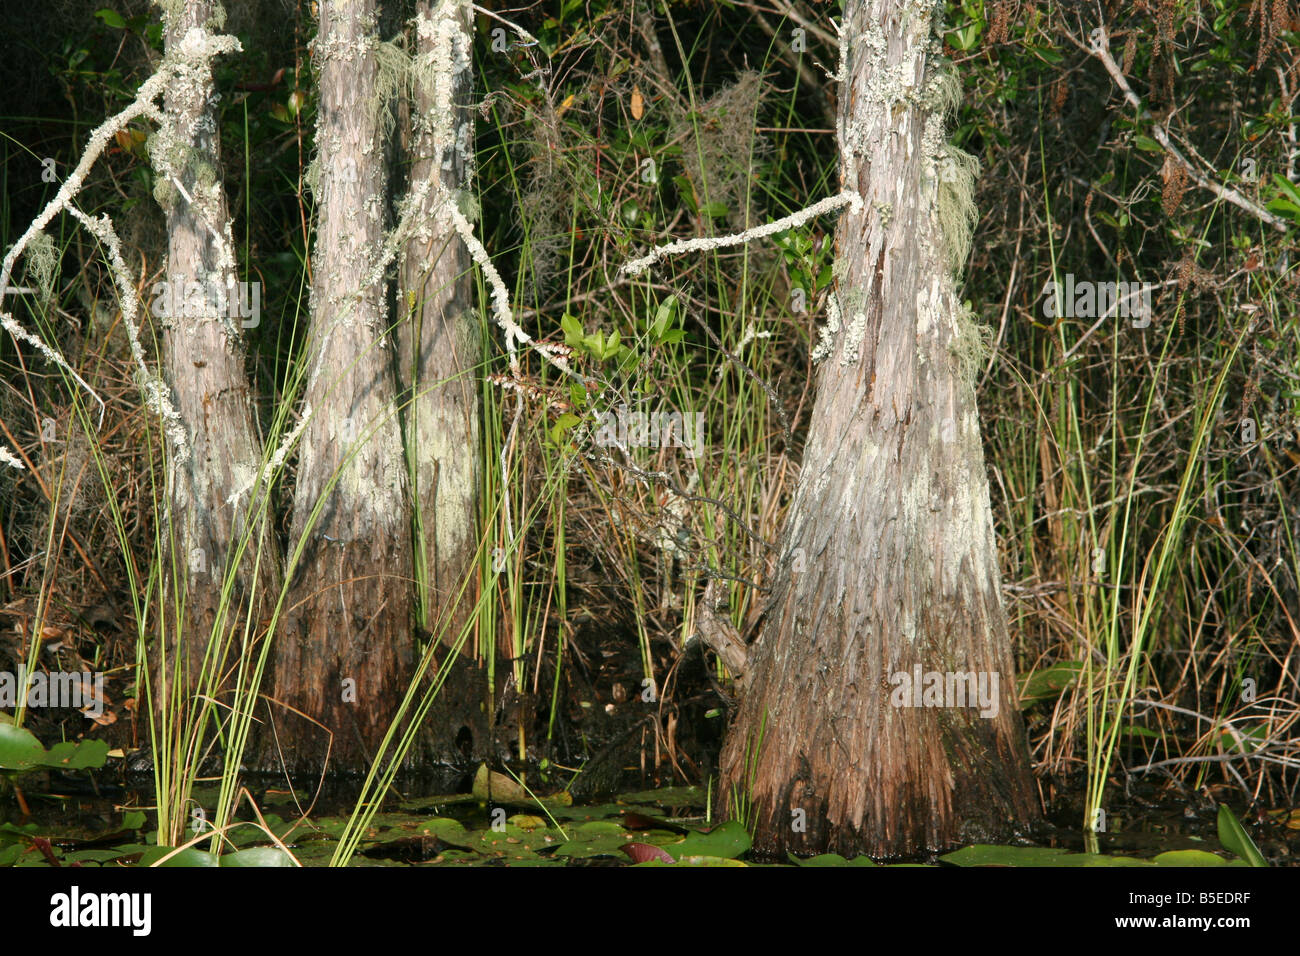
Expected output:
(1100, 48)
(701, 244)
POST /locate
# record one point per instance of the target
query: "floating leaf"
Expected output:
(728, 841)
(982, 854)
(646, 853)
(1190, 858)
(19, 748)
(832, 859)
(258, 856)
(189, 857)
(82, 755)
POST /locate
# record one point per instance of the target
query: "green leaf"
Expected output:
(831, 859)
(1287, 187)
(187, 858)
(982, 854)
(1286, 208)
(715, 210)
(111, 18)
(1252, 738)
(727, 841)
(1046, 683)
(663, 315)
(573, 335)
(1234, 836)
(1047, 53)
(258, 856)
(1146, 144)
(1190, 858)
(19, 749)
(86, 754)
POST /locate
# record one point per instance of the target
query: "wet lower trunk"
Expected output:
(345, 655)
(889, 570)
(438, 356)
(204, 311)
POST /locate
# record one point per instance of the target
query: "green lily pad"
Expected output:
(258, 856)
(446, 829)
(19, 748)
(727, 841)
(595, 844)
(81, 755)
(188, 858)
(831, 859)
(1190, 858)
(526, 821)
(982, 854)
(696, 860)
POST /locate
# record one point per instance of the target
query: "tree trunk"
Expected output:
(346, 653)
(204, 366)
(889, 560)
(438, 351)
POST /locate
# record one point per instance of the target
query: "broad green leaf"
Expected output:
(573, 334)
(1234, 836)
(1046, 683)
(19, 748)
(1190, 858)
(185, 858)
(831, 859)
(1287, 187)
(982, 854)
(80, 755)
(258, 856)
(111, 18)
(729, 841)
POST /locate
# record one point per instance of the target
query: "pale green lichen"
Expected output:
(393, 79)
(42, 263)
(971, 344)
(956, 210)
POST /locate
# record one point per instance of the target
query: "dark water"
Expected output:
(78, 812)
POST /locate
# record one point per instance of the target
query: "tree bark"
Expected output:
(438, 352)
(889, 558)
(204, 367)
(346, 654)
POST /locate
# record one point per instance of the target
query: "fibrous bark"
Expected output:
(438, 353)
(345, 656)
(204, 366)
(889, 559)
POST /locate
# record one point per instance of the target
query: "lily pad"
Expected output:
(831, 859)
(728, 841)
(187, 858)
(82, 755)
(19, 748)
(258, 856)
(1190, 858)
(982, 854)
